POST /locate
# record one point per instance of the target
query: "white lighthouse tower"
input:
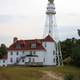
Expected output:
(50, 19)
(51, 29)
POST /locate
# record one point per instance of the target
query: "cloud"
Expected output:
(26, 27)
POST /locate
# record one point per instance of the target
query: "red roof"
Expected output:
(48, 39)
(26, 44)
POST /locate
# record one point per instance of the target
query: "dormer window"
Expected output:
(33, 45)
(18, 46)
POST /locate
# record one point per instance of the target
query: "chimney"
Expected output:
(15, 39)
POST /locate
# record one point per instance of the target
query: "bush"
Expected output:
(76, 56)
(68, 77)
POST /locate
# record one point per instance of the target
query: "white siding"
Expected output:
(46, 57)
(49, 57)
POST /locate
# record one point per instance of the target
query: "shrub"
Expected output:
(68, 77)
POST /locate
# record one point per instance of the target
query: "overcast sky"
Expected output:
(26, 19)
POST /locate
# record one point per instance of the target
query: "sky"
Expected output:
(25, 19)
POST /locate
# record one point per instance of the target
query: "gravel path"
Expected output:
(52, 76)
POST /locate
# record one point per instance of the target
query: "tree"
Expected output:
(78, 32)
(76, 55)
(71, 51)
(66, 48)
(3, 50)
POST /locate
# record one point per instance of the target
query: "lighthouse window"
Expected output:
(33, 45)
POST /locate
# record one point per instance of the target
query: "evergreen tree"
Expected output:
(3, 50)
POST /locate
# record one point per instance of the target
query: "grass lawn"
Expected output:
(20, 73)
(34, 73)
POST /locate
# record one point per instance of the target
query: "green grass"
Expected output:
(34, 73)
(20, 73)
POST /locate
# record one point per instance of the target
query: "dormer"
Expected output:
(33, 45)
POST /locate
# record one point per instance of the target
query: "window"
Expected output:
(33, 60)
(11, 53)
(54, 60)
(54, 52)
(18, 46)
(3, 61)
(45, 45)
(44, 60)
(29, 60)
(23, 51)
(30, 52)
(49, 31)
(17, 59)
(11, 60)
(22, 60)
(34, 52)
(33, 45)
(17, 53)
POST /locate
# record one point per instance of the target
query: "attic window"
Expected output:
(33, 45)
(18, 46)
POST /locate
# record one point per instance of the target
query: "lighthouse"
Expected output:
(51, 29)
(50, 19)
(36, 52)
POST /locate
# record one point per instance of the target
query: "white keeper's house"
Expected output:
(31, 52)
(36, 52)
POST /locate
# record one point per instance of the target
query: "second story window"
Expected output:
(33, 45)
(17, 53)
(11, 53)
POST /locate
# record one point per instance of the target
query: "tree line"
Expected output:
(71, 51)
